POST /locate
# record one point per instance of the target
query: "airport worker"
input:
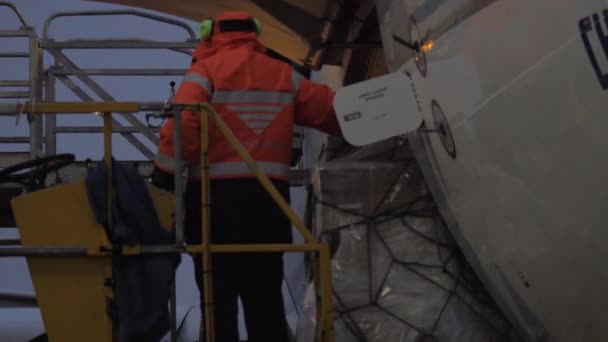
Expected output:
(260, 99)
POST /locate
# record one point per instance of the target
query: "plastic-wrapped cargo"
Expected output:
(397, 274)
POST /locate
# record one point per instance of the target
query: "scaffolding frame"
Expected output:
(322, 271)
(42, 83)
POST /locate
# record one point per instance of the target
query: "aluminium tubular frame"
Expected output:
(42, 82)
(322, 271)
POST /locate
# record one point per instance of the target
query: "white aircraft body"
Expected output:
(518, 90)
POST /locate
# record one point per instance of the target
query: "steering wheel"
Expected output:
(32, 173)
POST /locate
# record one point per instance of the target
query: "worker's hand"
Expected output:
(162, 179)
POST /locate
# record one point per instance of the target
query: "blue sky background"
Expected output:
(15, 277)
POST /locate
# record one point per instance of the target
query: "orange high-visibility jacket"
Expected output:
(259, 98)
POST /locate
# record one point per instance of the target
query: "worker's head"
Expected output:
(230, 22)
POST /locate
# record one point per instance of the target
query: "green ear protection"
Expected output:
(206, 28)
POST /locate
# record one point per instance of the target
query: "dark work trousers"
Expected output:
(242, 212)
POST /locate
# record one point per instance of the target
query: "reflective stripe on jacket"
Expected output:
(258, 97)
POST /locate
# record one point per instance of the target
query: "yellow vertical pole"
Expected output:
(107, 156)
(206, 229)
(325, 283)
(324, 330)
(318, 297)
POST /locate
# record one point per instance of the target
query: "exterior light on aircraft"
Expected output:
(428, 46)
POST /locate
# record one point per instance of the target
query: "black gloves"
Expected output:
(296, 155)
(162, 179)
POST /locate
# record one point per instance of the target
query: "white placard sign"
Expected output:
(377, 109)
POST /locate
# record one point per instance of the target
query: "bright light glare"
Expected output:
(428, 46)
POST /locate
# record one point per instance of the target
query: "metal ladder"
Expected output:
(41, 83)
(25, 89)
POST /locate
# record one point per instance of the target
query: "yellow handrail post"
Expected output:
(326, 299)
(206, 229)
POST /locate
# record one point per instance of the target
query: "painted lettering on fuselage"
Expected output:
(587, 26)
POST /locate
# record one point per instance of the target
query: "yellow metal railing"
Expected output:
(322, 272)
